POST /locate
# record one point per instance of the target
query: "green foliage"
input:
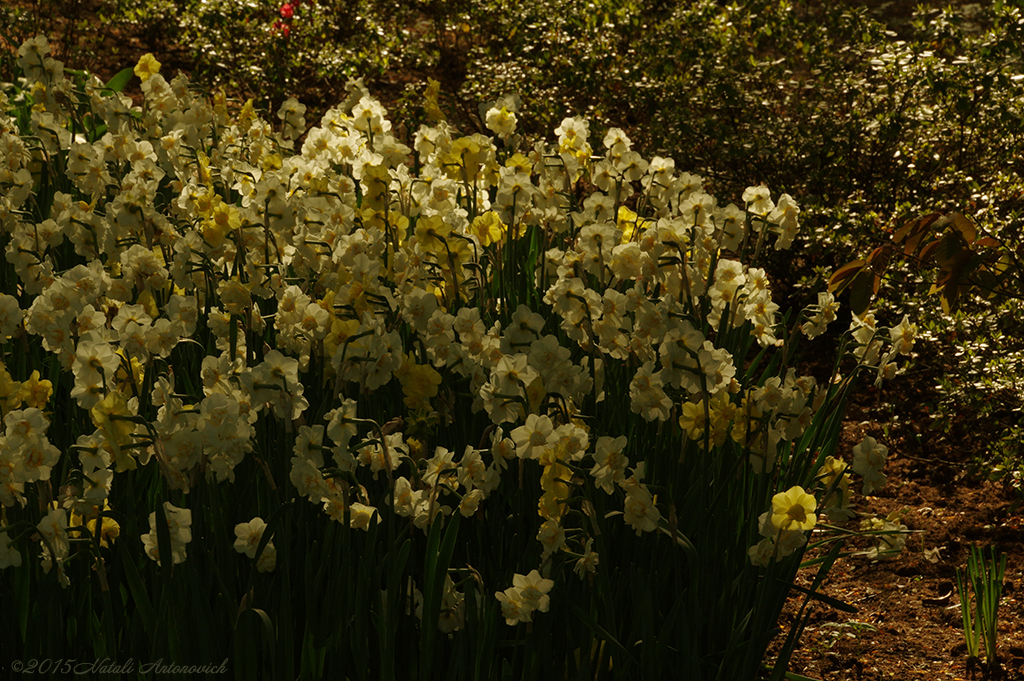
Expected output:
(978, 357)
(250, 48)
(984, 579)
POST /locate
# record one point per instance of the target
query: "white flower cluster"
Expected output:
(337, 268)
(783, 528)
(26, 454)
(871, 343)
(528, 594)
(179, 524)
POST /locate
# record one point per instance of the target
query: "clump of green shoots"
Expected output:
(984, 576)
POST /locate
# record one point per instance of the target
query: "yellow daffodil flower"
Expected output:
(147, 67)
(794, 509)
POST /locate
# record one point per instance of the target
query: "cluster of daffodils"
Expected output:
(26, 454)
(316, 276)
(528, 594)
(793, 514)
(784, 528)
(871, 344)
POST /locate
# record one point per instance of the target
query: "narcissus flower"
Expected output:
(514, 607)
(55, 543)
(609, 462)
(470, 503)
(488, 228)
(234, 296)
(551, 535)
(836, 480)
(758, 200)
(589, 561)
(533, 438)
(794, 510)
(903, 335)
(534, 590)
(179, 523)
(362, 515)
(440, 464)
(147, 67)
(647, 394)
(109, 529)
(249, 536)
(501, 122)
(640, 512)
(761, 553)
(419, 384)
(868, 461)
(114, 419)
(552, 504)
(692, 419)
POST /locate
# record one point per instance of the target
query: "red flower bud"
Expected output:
(287, 11)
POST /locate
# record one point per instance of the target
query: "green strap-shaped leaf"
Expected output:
(827, 600)
(601, 632)
(801, 618)
(439, 555)
(142, 603)
(118, 82)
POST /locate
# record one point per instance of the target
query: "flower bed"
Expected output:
(477, 407)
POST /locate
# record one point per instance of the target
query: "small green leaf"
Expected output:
(121, 79)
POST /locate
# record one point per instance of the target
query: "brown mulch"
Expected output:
(908, 624)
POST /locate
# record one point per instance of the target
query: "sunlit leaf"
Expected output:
(913, 231)
(845, 275)
(964, 227)
(928, 250)
(120, 79)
